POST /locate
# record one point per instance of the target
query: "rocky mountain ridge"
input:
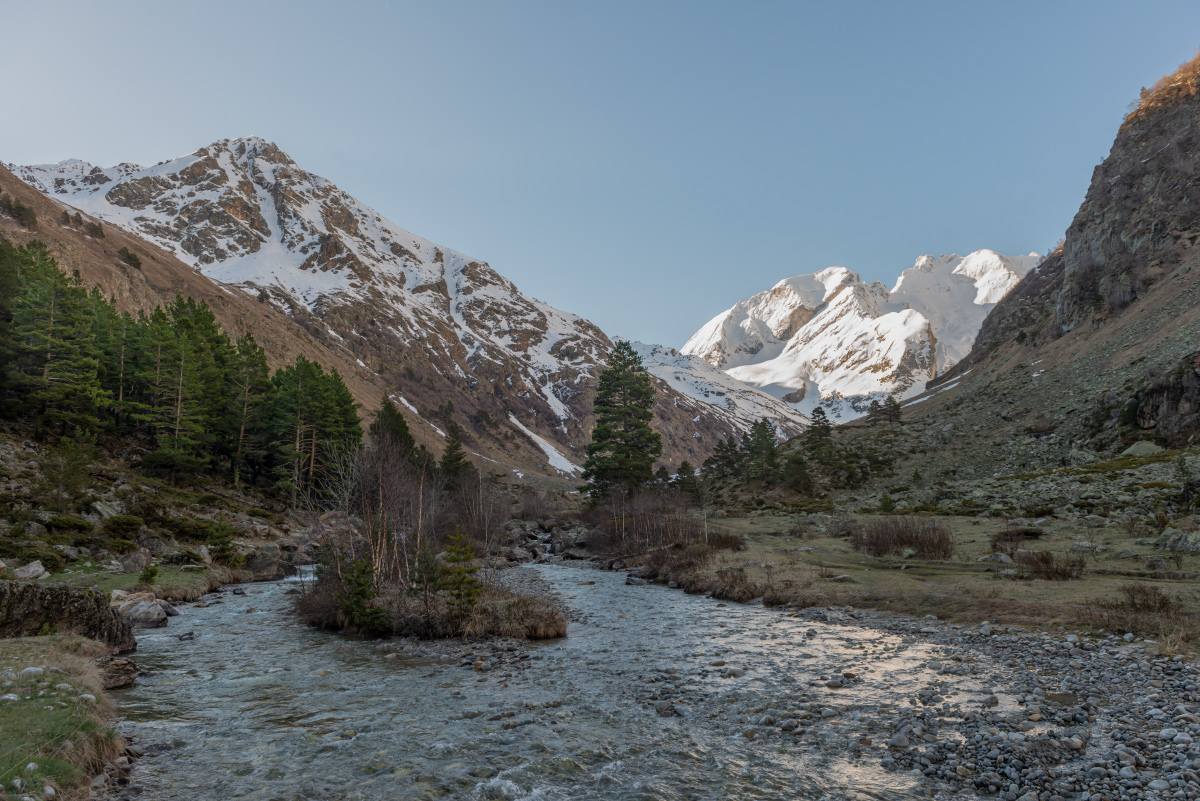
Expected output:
(831, 339)
(443, 334)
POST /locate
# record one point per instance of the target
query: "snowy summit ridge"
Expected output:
(832, 339)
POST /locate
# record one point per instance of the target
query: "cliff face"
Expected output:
(28, 609)
(1100, 344)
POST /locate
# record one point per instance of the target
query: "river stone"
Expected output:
(26, 609)
(141, 609)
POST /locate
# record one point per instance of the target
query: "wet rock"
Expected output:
(117, 673)
(141, 609)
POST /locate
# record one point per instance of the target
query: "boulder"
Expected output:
(141, 609)
(576, 553)
(70, 553)
(27, 609)
(268, 568)
(117, 672)
(36, 531)
(106, 509)
(134, 562)
(1173, 539)
(1141, 448)
(31, 571)
(1002, 558)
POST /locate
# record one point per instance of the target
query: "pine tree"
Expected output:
(624, 448)
(51, 320)
(875, 412)
(796, 475)
(760, 448)
(891, 409)
(454, 463)
(249, 379)
(458, 575)
(821, 428)
(8, 345)
(390, 429)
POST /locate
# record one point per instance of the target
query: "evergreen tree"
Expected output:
(821, 427)
(875, 412)
(761, 451)
(8, 345)
(454, 463)
(60, 371)
(458, 575)
(390, 429)
(686, 477)
(624, 447)
(891, 409)
(796, 475)
(249, 379)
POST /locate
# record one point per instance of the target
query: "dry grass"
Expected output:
(929, 539)
(1171, 89)
(70, 741)
(734, 585)
(1147, 610)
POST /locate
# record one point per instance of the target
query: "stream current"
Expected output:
(259, 706)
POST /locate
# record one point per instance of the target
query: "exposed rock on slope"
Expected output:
(28, 609)
(443, 334)
(1096, 348)
(829, 337)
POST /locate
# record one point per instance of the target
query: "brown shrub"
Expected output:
(1144, 609)
(533, 505)
(1045, 565)
(929, 538)
(797, 595)
(734, 585)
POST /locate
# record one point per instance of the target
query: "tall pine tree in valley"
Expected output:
(60, 368)
(762, 455)
(454, 463)
(389, 429)
(624, 448)
(250, 387)
(8, 345)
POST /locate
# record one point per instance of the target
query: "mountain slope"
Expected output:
(1100, 346)
(830, 338)
(443, 333)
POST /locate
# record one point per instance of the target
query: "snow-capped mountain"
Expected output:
(832, 339)
(440, 329)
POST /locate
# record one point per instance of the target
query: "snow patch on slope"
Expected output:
(555, 457)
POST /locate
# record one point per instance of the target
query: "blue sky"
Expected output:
(643, 164)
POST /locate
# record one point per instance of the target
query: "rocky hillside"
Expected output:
(831, 339)
(445, 335)
(1100, 346)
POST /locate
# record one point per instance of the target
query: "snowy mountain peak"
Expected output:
(831, 338)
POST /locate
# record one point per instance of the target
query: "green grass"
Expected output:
(172, 583)
(37, 729)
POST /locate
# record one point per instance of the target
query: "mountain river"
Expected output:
(654, 694)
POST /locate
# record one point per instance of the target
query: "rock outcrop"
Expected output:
(28, 609)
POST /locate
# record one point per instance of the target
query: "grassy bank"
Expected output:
(51, 725)
(172, 583)
(803, 566)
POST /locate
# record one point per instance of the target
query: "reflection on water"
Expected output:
(259, 707)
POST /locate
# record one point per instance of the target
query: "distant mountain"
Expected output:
(432, 326)
(831, 339)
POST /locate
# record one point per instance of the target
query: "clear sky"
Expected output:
(644, 164)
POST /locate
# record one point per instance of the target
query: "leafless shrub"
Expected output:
(648, 520)
(533, 505)
(1145, 609)
(1048, 566)
(734, 585)
(795, 594)
(928, 538)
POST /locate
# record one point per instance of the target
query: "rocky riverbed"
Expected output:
(656, 694)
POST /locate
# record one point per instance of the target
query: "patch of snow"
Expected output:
(556, 459)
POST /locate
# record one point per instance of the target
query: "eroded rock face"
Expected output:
(29, 609)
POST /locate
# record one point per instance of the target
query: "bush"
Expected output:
(1145, 609)
(149, 575)
(129, 257)
(1045, 565)
(928, 538)
(358, 599)
(733, 585)
(69, 523)
(94, 230)
(121, 526)
(11, 207)
(221, 548)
